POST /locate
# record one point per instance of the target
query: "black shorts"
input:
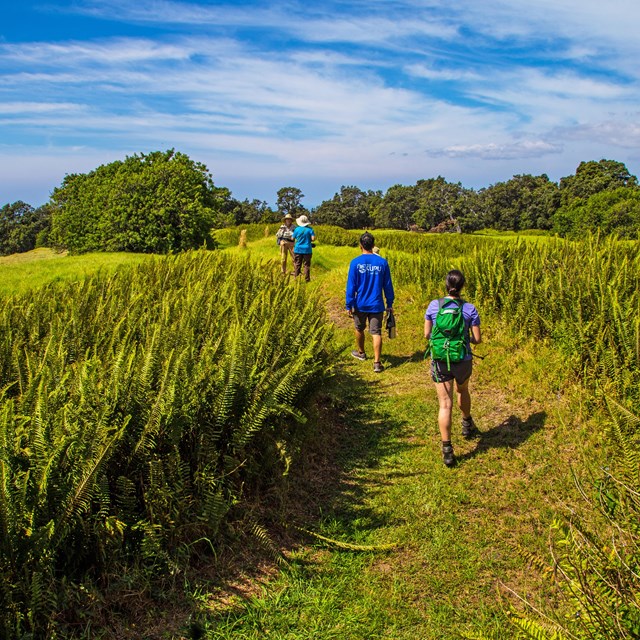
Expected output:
(460, 371)
(360, 319)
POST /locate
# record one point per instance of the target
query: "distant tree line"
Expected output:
(164, 201)
(601, 196)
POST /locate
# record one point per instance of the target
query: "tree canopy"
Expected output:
(521, 203)
(593, 177)
(289, 202)
(351, 208)
(150, 203)
(22, 227)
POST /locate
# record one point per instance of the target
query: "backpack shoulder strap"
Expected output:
(459, 302)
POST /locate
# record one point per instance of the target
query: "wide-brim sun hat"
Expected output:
(303, 221)
(287, 217)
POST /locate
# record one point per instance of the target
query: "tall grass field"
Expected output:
(146, 401)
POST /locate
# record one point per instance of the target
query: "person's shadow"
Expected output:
(510, 433)
(397, 361)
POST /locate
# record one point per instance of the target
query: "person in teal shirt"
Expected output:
(303, 236)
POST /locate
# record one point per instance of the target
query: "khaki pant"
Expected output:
(286, 248)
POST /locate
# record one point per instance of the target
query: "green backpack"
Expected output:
(448, 336)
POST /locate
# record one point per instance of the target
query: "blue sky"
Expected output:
(317, 95)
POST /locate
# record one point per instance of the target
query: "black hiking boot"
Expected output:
(469, 429)
(447, 455)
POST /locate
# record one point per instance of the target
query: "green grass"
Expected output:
(26, 271)
(531, 234)
(457, 531)
(374, 476)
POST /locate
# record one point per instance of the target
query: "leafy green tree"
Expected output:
(289, 201)
(616, 211)
(441, 204)
(246, 212)
(397, 209)
(150, 203)
(430, 204)
(351, 208)
(582, 211)
(593, 177)
(523, 202)
(21, 227)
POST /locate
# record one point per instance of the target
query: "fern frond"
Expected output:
(266, 542)
(347, 545)
(536, 630)
(78, 501)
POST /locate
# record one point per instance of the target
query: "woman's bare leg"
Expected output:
(444, 390)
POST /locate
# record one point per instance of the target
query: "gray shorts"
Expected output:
(360, 319)
(461, 371)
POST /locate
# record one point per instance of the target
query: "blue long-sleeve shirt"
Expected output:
(369, 277)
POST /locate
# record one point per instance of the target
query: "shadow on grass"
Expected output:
(510, 433)
(398, 361)
(352, 433)
(324, 493)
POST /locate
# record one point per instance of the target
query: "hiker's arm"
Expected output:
(428, 325)
(389, 294)
(475, 337)
(350, 297)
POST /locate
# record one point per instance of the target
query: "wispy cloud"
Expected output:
(507, 151)
(314, 92)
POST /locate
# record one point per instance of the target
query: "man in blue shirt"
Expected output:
(303, 236)
(369, 277)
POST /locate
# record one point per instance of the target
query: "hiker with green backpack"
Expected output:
(451, 325)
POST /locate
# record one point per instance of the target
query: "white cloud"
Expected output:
(24, 108)
(623, 133)
(504, 151)
(109, 52)
(444, 74)
(297, 92)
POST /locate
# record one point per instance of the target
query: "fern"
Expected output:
(266, 542)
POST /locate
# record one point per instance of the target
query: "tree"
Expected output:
(523, 202)
(582, 211)
(593, 177)
(289, 202)
(21, 226)
(253, 212)
(616, 211)
(150, 203)
(441, 203)
(397, 208)
(351, 208)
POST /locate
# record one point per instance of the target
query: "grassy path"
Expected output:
(378, 479)
(373, 477)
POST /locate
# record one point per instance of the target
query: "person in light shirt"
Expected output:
(445, 375)
(284, 236)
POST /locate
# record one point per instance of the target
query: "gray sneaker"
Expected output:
(377, 367)
(359, 355)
